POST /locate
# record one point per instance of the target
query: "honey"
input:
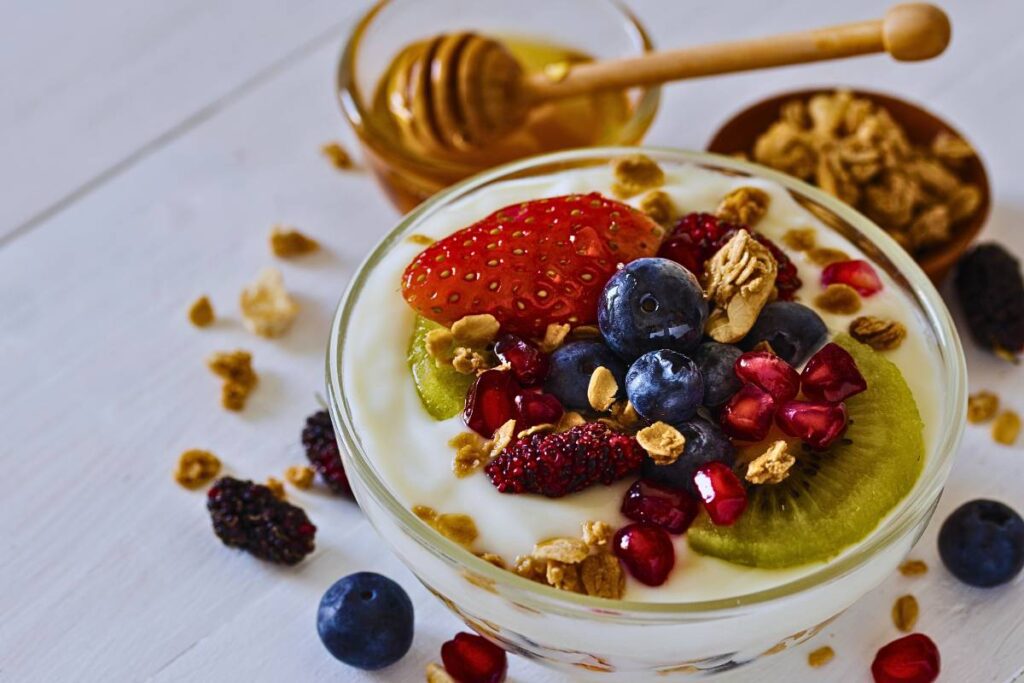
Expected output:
(409, 175)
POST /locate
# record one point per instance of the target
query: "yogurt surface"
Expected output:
(410, 449)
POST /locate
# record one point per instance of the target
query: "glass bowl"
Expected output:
(628, 639)
(408, 176)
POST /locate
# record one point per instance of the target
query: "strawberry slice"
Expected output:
(530, 264)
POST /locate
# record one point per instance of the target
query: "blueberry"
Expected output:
(793, 331)
(705, 443)
(365, 620)
(664, 385)
(651, 304)
(716, 363)
(982, 543)
(570, 368)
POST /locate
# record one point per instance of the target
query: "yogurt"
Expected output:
(410, 449)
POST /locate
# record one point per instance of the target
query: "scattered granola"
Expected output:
(597, 534)
(982, 407)
(624, 414)
(235, 368)
(904, 613)
(200, 313)
(839, 299)
(581, 566)
(739, 281)
(502, 438)
(196, 468)
(914, 568)
(276, 487)
(855, 150)
(658, 205)
(821, 656)
(825, 256)
(567, 550)
(554, 335)
(602, 389)
(437, 674)
(337, 155)
(475, 330)
(772, 466)
(635, 173)
(300, 476)
(267, 309)
(801, 239)
(456, 527)
(233, 396)
(663, 443)
(471, 452)
(744, 206)
(1006, 428)
(287, 242)
(467, 361)
(878, 333)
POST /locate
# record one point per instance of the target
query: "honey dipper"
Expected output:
(460, 91)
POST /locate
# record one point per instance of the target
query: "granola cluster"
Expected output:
(855, 150)
(581, 565)
(462, 346)
(235, 368)
(739, 281)
(267, 308)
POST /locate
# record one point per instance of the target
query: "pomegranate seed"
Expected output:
(469, 658)
(529, 364)
(857, 274)
(721, 491)
(817, 424)
(683, 251)
(910, 659)
(646, 550)
(748, 414)
(769, 372)
(671, 509)
(832, 375)
(537, 408)
(490, 402)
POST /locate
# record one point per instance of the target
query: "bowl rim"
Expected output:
(917, 504)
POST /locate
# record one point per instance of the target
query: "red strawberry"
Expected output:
(530, 264)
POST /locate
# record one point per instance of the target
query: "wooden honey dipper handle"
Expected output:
(908, 32)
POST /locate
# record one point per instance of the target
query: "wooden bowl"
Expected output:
(739, 133)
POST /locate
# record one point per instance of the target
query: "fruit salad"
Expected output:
(719, 390)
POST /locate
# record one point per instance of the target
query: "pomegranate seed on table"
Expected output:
(856, 273)
(490, 402)
(769, 372)
(469, 658)
(722, 493)
(535, 408)
(832, 375)
(748, 414)
(910, 659)
(647, 551)
(671, 509)
(529, 364)
(818, 424)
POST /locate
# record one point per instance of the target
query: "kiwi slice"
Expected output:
(442, 390)
(834, 498)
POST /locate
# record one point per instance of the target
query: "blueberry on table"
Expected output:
(570, 367)
(793, 330)
(665, 386)
(705, 443)
(982, 543)
(716, 362)
(366, 621)
(651, 304)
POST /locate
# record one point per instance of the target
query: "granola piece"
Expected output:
(466, 361)
(569, 420)
(933, 176)
(904, 613)
(824, 256)
(457, 527)
(857, 112)
(914, 568)
(196, 468)
(597, 534)
(602, 389)
(820, 657)
(794, 112)
(602, 576)
(764, 345)
(658, 206)
(233, 396)
(470, 453)
(800, 239)
(535, 429)
(494, 559)
(891, 201)
(827, 112)
(861, 161)
(878, 333)
(584, 332)
(744, 206)
(299, 476)
(839, 299)
(233, 366)
(565, 577)
(931, 227)
(337, 155)
(276, 487)
(663, 443)
(267, 309)
(426, 513)
(438, 344)
(624, 414)
(635, 173)
(982, 407)
(554, 336)
(565, 550)
(475, 330)
(421, 240)
(1006, 428)
(200, 313)
(772, 466)
(951, 149)
(530, 568)
(740, 279)
(287, 242)
(787, 148)
(437, 674)
(502, 438)
(963, 202)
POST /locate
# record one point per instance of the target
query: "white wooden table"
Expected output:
(147, 148)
